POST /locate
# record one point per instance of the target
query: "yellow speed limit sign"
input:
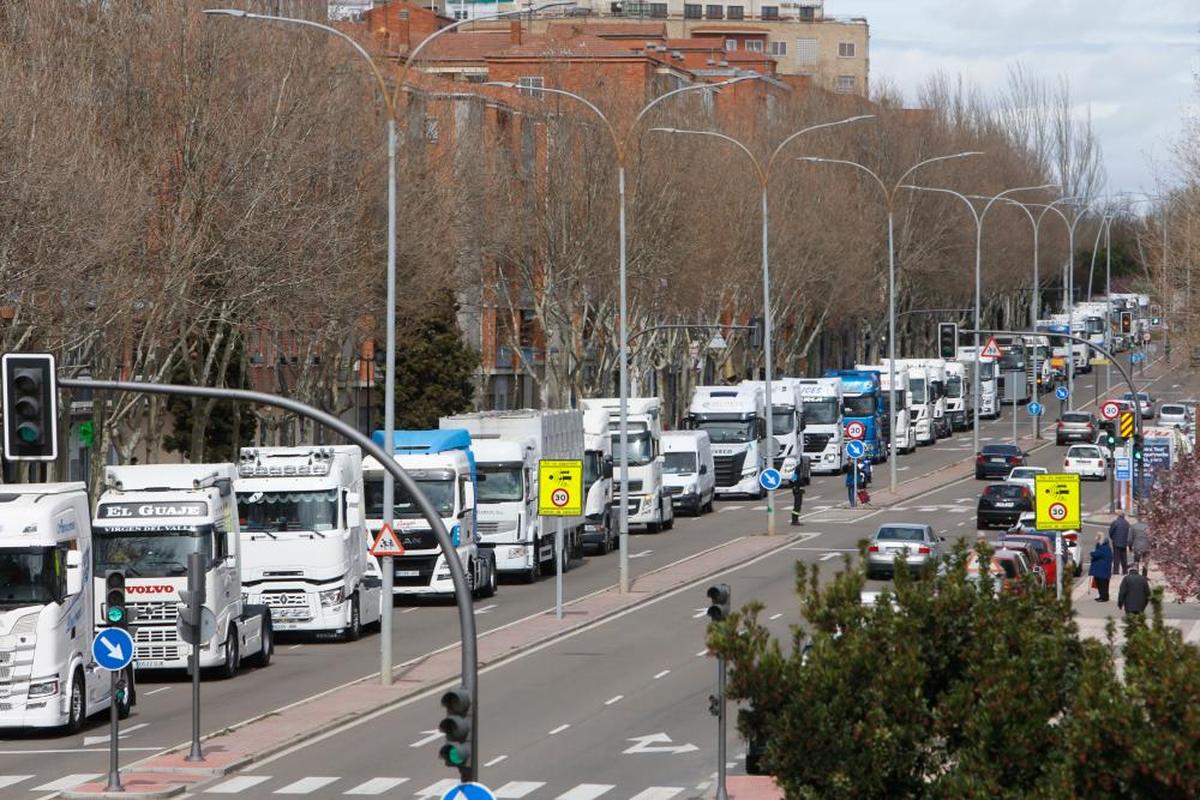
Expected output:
(1057, 502)
(560, 488)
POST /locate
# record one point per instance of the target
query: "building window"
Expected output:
(431, 130)
(658, 10)
(529, 84)
(476, 78)
(770, 12)
(754, 46)
(807, 14)
(730, 45)
(692, 10)
(806, 52)
(846, 49)
(737, 12)
(846, 84)
(778, 48)
(715, 12)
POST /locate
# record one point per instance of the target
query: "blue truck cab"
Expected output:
(862, 402)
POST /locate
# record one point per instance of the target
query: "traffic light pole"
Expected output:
(462, 589)
(721, 729)
(194, 613)
(114, 724)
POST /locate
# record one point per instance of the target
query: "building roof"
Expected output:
(459, 46)
(740, 30)
(577, 46)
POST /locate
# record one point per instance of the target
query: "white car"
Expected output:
(1026, 476)
(1173, 415)
(1086, 461)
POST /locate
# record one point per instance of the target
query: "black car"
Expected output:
(1002, 504)
(996, 460)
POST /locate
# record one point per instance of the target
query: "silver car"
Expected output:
(914, 543)
(1173, 415)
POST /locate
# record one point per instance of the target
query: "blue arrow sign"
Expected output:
(469, 791)
(112, 649)
(1035, 409)
(1062, 393)
(770, 479)
(1137, 358)
(855, 449)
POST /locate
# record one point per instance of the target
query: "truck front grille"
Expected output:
(154, 612)
(422, 565)
(418, 540)
(816, 442)
(157, 652)
(729, 468)
(487, 528)
(285, 599)
(155, 636)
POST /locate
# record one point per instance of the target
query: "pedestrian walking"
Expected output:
(1139, 541)
(851, 481)
(1118, 536)
(1134, 594)
(797, 494)
(1100, 568)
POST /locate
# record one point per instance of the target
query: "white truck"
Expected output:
(304, 541)
(906, 432)
(46, 612)
(599, 524)
(735, 419)
(823, 442)
(785, 427)
(649, 504)
(508, 446)
(149, 519)
(921, 406)
(935, 370)
(960, 396)
(989, 390)
(442, 464)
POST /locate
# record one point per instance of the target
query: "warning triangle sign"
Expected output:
(387, 543)
(991, 349)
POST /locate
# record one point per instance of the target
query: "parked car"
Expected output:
(1026, 476)
(1006, 572)
(1145, 402)
(1075, 426)
(1021, 567)
(1043, 550)
(914, 542)
(997, 460)
(1028, 524)
(1086, 461)
(1174, 415)
(1002, 504)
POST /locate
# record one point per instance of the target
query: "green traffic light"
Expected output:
(28, 433)
(455, 756)
(116, 614)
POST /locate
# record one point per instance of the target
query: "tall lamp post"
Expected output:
(763, 173)
(620, 143)
(889, 196)
(978, 216)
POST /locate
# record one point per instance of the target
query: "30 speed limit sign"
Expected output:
(856, 430)
(1057, 512)
(560, 498)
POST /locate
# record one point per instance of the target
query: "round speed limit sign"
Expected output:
(560, 497)
(856, 430)
(1058, 512)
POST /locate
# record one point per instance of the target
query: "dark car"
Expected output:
(1002, 504)
(1075, 426)
(997, 460)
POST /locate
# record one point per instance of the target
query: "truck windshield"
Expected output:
(149, 553)
(917, 387)
(640, 450)
(783, 420)
(822, 411)
(288, 511)
(726, 431)
(499, 484)
(862, 405)
(593, 467)
(954, 386)
(439, 491)
(1095, 325)
(679, 463)
(1013, 360)
(885, 399)
(31, 576)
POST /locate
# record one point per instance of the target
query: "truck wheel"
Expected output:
(77, 708)
(668, 524)
(263, 657)
(354, 628)
(606, 542)
(232, 660)
(535, 569)
(489, 586)
(566, 558)
(708, 507)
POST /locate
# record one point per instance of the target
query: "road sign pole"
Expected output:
(114, 724)
(558, 559)
(721, 735)
(1112, 485)
(1060, 565)
(195, 578)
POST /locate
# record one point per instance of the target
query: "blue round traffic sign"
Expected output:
(1137, 358)
(855, 449)
(770, 479)
(1035, 409)
(1062, 393)
(112, 649)
(469, 791)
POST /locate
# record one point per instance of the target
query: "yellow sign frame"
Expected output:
(555, 477)
(1057, 502)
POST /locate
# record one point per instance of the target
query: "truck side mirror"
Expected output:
(607, 470)
(704, 469)
(74, 572)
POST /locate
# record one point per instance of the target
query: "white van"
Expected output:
(689, 475)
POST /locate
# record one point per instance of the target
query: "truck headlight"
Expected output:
(516, 552)
(749, 472)
(43, 688)
(332, 597)
(644, 507)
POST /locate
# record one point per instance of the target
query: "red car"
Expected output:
(1040, 546)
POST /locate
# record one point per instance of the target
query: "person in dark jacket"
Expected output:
(1139, 542)
(1118, 535)
(1134, 594)
(1100, 567)
(850, 484)
(797, 494)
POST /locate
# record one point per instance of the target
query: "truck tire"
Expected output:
(668, 524)
(535, 568)
(231, 662)
(354, 627)
(606, 541)
(708, 507)
(489, 586)
(263, 657)
(77, 707)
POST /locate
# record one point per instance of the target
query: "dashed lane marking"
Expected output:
(559, 729)
(514, 790)
(776, 616)
(485, 609)
(642, 554)
(160, 689)
(662, 674)
(612, 700)
(495, 761)
(586, 791)
(305, 785)
(238, 784)
(828, 556)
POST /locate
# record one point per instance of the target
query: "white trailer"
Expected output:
(823, 439)
(785, 428)
(149, 519)
(508, 446)
(47, 617)
(649, 504)
(599, 526)
(304, 541)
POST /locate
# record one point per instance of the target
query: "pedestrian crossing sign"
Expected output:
(387, 543)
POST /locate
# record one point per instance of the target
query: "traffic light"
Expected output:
(1126, 322)
(30, 407)
(115, 612)
(718, 595)
(1110, 440)
(756, 333)
(1156, 321)
(456, 752)
(947, 339)
(1138, 451)
(191, 606)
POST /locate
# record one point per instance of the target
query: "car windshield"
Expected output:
(954, 386)
(859, 406)
(822, 411)
(679, 463)
(288, 511)
(1006, 492)
(499, 484)
(917, 387)
(1170, 410)
(1083, 452)
(1076, 417)
(149, 553)
(31, 576)
(641, 451)
(783, 420)
(900, 534)
(440, 492)
(1142, 396)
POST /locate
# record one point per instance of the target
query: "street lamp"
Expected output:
(621, 149)
(763, 172)
(889, 196)
(978, 216)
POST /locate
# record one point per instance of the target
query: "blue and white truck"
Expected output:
(862, 405)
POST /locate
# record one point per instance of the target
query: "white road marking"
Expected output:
(700, 612)
(964, 522)
(65, 782)
(239, 784)
(438, 788)
(760, 508)
(559, 729)
(612, 700)
(730, 508)
(88, 741)
(12, 780)
(586, 791)
(642, 554)
(409, 610)
(305, 785)
(160, 689)
(514, 790)
(662, 674)
(427, 738)
(702, 653)
(658, 793)
(901, 469)
(293, 647)
(377, 785)
(657, 743)
(828, 556)
(485, 609)
(776, 616)
(495, 761)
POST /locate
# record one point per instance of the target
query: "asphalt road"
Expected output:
(648, 657)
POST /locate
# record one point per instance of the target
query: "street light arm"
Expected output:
(696, 87)
(382, 84)
(612, 131)
(959, 195)
(1004, 195)
(762, 176)
(934, 160)
(855, 164)
(809, 129)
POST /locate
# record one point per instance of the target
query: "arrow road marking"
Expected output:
(88, 741)
(424, 740)
(656, 743)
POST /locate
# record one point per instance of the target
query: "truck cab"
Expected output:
(47, 618)
(304, 541)
(786, 427)
(823, 441)
(1013, 371)
(442, 464)
(960, 396)
(935, 372)
(649, 504)
(920, 410)
(734, 419)
(906, 432)
(599, 527)
(149, 519)
(989, 398)
(861, 403)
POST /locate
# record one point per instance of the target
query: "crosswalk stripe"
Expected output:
(12, 780)
(377, 786)
(585, 791)
(305, 785)
(438, 789)
(238, 784)
(517, 789)
(658, 793)
(65, 782)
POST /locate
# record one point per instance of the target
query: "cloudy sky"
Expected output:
(1133, 63)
